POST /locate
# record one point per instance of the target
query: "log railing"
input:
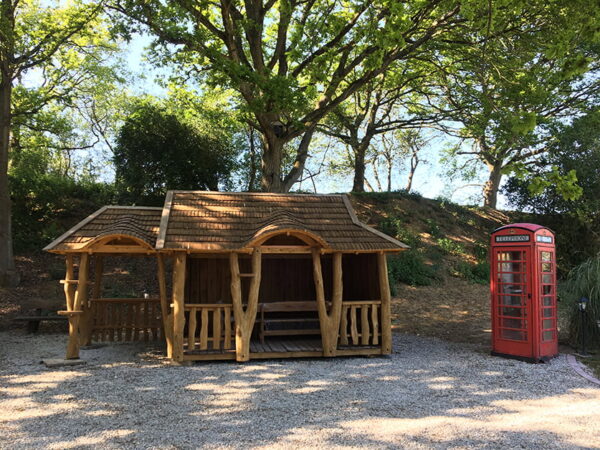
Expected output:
(208, 323)
(126, 319)
(360, 324)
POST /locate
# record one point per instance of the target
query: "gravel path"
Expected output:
(430, 393)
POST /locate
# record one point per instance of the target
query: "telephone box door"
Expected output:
(512, 301)
(547, 294)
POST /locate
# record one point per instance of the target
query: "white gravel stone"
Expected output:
(429, 393)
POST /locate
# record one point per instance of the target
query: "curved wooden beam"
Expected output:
(329, 321)
(244, 319)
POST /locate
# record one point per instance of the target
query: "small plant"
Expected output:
(395, 227)
(433, 228)
(481, 252)
(450, 247)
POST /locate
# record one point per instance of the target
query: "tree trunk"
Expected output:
(8, 274)
(271, 163)
(414, 162)
(359, 167)
(492, 185)
(272, 158)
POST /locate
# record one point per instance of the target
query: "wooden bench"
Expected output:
(33, 321)
(290, 323)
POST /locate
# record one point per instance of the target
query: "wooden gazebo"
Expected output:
(253, 276)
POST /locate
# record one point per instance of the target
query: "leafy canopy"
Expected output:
(156, 151)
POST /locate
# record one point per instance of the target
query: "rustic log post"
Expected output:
(178, 306)
(244, 320)
(386, 315)
(75, 303)
(87, 320)
(167, 318)
(329, 322)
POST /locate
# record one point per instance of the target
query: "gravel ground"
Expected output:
(429, 393)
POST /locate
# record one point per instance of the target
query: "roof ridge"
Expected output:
(287, 194)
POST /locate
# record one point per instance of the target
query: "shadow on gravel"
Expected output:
(429, 394)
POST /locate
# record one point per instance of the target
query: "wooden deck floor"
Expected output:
(276, 347)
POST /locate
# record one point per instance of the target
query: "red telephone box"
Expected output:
(523, 288)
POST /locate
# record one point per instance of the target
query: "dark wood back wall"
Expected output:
(284, 278)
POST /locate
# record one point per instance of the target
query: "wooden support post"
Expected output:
(244, 320)
(167, 318)
(178, 306)
(87, 319)
(75, 302)
(386, 315)
(329, 321)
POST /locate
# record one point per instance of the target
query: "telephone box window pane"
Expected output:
(546, 256)
(511, 278)
(510, 256)
(512, 323)
(511, 289)
(511, 312)
(514, 335)
(548, 301)
(511, 267)
(548, 312)
(548, 335)
(546, 267)
(511, 300)
(547, 278)
(547, 289)
(548, 323)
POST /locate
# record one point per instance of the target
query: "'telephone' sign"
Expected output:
(513, 238)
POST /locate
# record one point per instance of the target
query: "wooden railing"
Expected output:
(126, 319)
(360, 323)
(208, 323)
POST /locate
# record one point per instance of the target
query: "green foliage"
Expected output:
(45, 205)
(450, 246)
(156, 151)
(394, 227)
(511, 84)
(583, 281)
(409, 267)
(433, 228)
(476, 273)
(564, 189)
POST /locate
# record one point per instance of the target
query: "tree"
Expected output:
(396, 100)
(31, 35)
(514, 75)
(289, 60)
(563, 188)
(155, 151)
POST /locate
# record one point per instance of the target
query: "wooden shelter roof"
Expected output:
(222, 221)
(201, 220)
(138, 222)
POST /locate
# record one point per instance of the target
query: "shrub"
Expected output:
(477, 273)
(409, 267)
(583, 281)
(395, 228)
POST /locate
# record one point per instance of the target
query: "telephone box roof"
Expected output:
(525, 226)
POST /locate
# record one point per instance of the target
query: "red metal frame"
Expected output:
(523, 292)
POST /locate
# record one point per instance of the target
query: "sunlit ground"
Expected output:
(429, 393)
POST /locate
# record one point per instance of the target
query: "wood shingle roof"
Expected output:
(224, 221)
(201, 220)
